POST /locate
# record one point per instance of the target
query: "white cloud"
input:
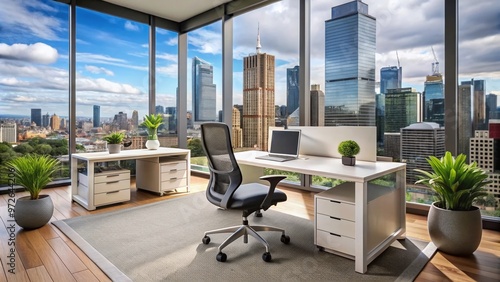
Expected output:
(167, 56)
(206, 41)
(104, 85)
(105, 59)
(98, 70)
(35, 53)
(131, 26)
(30, 17)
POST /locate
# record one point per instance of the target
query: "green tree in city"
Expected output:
(196, 148)
(7, 153)
(24, 148)
(43, 149)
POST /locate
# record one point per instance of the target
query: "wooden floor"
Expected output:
(46, 254)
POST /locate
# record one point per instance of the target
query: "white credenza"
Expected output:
(170, 170)
(109, 186)
(334, 224)
(160, 175)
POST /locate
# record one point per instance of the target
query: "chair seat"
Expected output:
(252, 195)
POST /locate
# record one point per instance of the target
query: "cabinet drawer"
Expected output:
(172, 166)
(335, 225)
(335, 208)
(171, 184)
(173, 175)
(112, 197)
(111, 186)
(111, 176)
(333, 242)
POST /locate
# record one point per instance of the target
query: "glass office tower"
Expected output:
(403, 107)
(204, 95)
(292, 89)
(350, 66)
(434, 99)
(96, 118)
(390, 78)
(478, 104)
(491, 107)
(36, 116)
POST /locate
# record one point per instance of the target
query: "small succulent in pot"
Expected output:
(348, 149)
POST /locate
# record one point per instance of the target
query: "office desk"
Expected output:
(157, 170)
(359, 174)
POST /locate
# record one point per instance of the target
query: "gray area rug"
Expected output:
(162, 241)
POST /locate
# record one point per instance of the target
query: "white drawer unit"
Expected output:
(162, 174)
(334, 220)
(109, 187)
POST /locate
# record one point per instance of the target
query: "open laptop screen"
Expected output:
(285, 142)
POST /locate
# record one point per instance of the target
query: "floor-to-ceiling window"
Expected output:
(477, 98)
(34, 80)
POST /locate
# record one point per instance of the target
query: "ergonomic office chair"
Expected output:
(226, 191)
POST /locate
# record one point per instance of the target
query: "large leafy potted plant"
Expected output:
(33, 172)
(152, 122)
(114, 141)
(348, 149)
(454, 224)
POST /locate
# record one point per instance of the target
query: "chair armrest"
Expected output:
(273, 182)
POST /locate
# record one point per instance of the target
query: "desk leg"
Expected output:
(74, 177)
(90, 175)
(361, 227)
(401, 185)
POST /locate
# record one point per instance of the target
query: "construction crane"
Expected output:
(435, 65)
(397, 56)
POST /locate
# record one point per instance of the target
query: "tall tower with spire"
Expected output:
(258, 97)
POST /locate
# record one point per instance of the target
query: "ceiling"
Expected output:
(174, 10)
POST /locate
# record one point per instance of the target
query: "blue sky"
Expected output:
(112, 53)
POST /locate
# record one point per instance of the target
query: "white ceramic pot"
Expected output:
(152, 144)
(114, 148)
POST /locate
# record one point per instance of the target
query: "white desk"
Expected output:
(85, 197)
(360, 174)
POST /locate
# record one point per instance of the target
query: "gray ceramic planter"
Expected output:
(114, 148)
(455, 232)
(32, 214)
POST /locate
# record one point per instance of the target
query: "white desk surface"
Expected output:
(323, 166)
(129, 154)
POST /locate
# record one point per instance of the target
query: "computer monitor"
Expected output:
(285, 142)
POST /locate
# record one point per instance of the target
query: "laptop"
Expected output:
(285, 145)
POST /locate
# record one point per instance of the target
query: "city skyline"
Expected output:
(34, 55)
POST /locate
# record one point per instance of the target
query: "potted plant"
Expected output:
(152, 122)
(33, 172)
(114, 141)
(348, 149)
(454, 224)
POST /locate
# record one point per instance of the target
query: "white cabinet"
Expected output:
(162, 174)
(334, 221)
(109, 187)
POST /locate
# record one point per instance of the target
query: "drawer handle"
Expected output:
(173, 178)
(112, 192)
(333, 234)
(112, 182)
(336, 218)
(173, 170)
(333, 201)
(113, 175)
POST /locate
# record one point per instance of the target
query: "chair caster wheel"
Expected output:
(285, 239)
(267, 257)
(222, 257)
(206, 240)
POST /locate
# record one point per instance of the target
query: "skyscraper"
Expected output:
(46, 120)
(292, 89)
(317, 106)
(8, 132)
(491, 107)
(464, 118)
(350, 66)
(204, 103)
(390, 78)
(478, 104)
(159, 110)
(135, 118)
(237, 134)
(96, 118)
(55, 122)
(258, 98)
(120, 120)
(36, 117)
(380, 119)
(419, 141)
(403, 106)
(434, 99)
